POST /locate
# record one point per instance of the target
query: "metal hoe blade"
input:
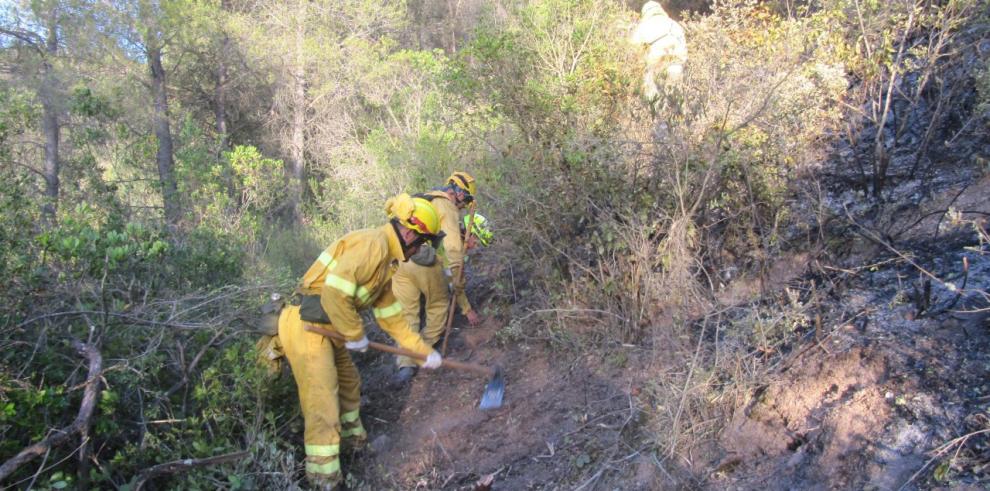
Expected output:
(492, 399)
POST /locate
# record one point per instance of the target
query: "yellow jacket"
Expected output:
(453, 244)
(355, 273)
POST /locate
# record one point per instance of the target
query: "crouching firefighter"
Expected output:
(428, 276)
(354, 273)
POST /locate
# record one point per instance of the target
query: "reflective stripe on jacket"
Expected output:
(453, 244)
(355, 273)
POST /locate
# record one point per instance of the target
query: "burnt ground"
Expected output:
(891, 390)
(866, 407)
(895, 394)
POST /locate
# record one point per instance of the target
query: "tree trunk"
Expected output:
(452, 19)
(164, 158)
(220, 93)
(297, 144)
(50, 124)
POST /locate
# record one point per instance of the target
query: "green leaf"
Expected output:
(941, 472)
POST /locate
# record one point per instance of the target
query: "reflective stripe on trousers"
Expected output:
(329, 393)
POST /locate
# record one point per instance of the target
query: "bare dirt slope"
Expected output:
(892, 391)
(430, 435)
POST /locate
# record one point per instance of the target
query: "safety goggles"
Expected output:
(464, 196)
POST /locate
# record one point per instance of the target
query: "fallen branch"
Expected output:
(938, 452)
(79, 425)
(181, 465)
(192, 366)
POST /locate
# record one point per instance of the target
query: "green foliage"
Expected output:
(90, 241)
(237, 195)
(556, 70)
(29, 412)
(19, 112)
(259, 178)
(235, 405)
(85, 102)
(17, 215)
(208, 258)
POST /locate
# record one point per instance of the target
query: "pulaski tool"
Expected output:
(491, 399)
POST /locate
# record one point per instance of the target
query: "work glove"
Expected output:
(473, 318)
(433, 361)
(361, 345)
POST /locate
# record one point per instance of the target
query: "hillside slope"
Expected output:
(887, 388)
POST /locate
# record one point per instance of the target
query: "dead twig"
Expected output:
(192, 366)
(942, 450)
(185, 464)
(684, 392)
(592, 479)
(869, 235)
(959, 292)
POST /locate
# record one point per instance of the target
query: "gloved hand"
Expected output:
(361, 345)
(433, 361)
(473, 318)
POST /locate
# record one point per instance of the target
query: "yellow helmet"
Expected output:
(425, 217)
(464, 181)
(414, 213)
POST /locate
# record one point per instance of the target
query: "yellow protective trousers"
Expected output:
(408, 283)
(329, 393)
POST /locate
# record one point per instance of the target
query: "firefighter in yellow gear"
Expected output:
(666, 48)
(354, 273)
(429, 276)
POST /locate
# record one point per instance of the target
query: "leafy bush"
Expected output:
(625, 211)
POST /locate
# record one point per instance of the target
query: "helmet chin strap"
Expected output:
(402, 242)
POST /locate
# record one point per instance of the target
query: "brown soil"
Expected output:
(431, 434)
(863, 406)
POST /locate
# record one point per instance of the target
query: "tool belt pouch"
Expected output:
(310, 310)
(425, 256)
(274, 306)
(268, 320)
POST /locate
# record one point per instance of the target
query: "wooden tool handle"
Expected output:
(459, 365)
(460, 277)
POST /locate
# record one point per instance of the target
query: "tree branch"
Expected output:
(184, 464)
(79, 425)
(27, 167)
(33, 40)
(192, 366)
